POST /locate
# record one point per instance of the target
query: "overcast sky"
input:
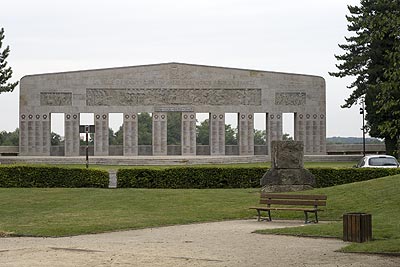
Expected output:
(296, 36)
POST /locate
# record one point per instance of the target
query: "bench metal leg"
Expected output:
(259, 218)
(306, 217)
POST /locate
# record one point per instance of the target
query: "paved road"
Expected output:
(229, 243)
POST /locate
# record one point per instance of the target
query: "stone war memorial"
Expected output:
(287, 172)
(171, 87)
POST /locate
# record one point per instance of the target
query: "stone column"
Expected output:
(311, 130)
(72, 137)
(130, 134)
(46, 134)
(101, 142)
(38, 135)
(35, 135)
(246, 133)
(217, 133)
(23, 135)
(188, 134)
(299, 128)
(322, 134)
(31, 135)
(274, 128)
(159, 134)
(308, 137)
(314, 134)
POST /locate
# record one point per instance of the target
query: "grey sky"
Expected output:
(287, 35)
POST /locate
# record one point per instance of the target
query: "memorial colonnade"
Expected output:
(38, 129)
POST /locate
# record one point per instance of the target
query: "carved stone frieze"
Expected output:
(290, 98)
(55, 99)
(171, 96)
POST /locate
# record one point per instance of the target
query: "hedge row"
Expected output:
(190, 177)
(326, 177)
(180, 177)
(193, 177)
(32, 176)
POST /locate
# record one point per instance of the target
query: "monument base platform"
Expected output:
(165, 160)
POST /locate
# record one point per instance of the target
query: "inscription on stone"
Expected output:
(171, 96)
(55, 99)
(290, 99)
(173, 109)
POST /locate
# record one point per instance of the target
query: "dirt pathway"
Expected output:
(229, 243)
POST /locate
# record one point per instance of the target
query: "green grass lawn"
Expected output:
(60, 212)
(379, 197)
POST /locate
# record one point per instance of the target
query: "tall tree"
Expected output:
(145, 123)
(9, 138)
(260, 137)
(230, 135)
(116, 138)
(174, 128)
(55, 139)
(5, 72)
(203, 134)
(372, 57)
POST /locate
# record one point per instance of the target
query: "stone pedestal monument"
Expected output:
(287, 172)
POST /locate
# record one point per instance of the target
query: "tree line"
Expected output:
(372, 58)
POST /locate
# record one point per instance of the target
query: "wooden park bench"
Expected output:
(305, 203)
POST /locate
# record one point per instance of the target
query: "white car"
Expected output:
(378, 161)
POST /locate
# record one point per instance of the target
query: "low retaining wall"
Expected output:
(167, 160)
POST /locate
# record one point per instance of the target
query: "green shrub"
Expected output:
(191, 177)
(326, 177)
(240, 177)
(40, 176)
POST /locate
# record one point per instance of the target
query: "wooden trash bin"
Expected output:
(357, 227)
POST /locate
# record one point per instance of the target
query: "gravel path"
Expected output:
(229, 243)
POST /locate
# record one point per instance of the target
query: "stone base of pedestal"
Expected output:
(285, 188)
(288, 177)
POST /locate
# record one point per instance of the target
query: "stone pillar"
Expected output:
(246, 133)
(322, 134)
(308, 145)
(130, 134)
(217, 133)
(35, 138)
(188, 134)
(299, 128)
(46, 134)
(72, 137)
(101, 142)
(274, 128)
(23, 135)
(31, 137)
(310, 128)
(159, 134)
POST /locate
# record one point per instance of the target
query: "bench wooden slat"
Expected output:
(294, 202)
(281, 208)
(291, 196)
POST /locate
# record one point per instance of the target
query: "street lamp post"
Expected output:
(362, 111)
